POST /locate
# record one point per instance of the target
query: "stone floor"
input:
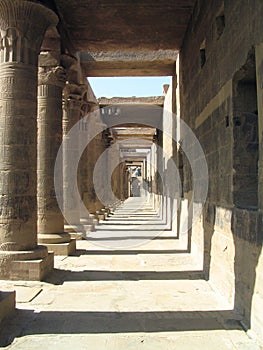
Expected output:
(145, 293)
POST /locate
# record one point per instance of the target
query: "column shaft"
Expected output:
(22, 28)
(50, 218)
(71, 115)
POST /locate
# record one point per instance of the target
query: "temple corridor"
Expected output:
(131, 221)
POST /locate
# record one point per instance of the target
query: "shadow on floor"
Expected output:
(80, 252)
(28, 322)
(59, 276)
(90, 239)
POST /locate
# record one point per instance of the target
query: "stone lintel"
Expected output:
(151, 100)
(124, 63)
(128, 56)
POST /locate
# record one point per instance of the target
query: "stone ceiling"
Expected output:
(123, 37)
(99, 25)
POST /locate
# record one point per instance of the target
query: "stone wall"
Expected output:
(221, 71)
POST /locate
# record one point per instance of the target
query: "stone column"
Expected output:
(83, 166)
(87, 219)
(71, 115)
(51, 81)
(94, 200)
(22, 28)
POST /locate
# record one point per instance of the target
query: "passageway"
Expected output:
(131, 222)
(147, 294)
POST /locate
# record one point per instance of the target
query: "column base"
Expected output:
(104, 211)
(89, 224)
(78, 236)
(100, 215)
(66, 249)
(108, 211)
(53, 238)
(32, 265)
(90, 228)
(77, 228)
(7, 304)
(58, 243)
(89, 221)
(75, 231)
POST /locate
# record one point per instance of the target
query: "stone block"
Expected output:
(7, 304)
(31, 270)
(66, 249)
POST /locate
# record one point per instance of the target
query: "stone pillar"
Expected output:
(101, 197)
(51, 81)
(22, 28)
(122, 181)
(83, 166)
(114, 178)
(71, 115)
(95, 200)
(87, 219)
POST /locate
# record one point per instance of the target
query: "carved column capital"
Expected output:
(22, 27)
(87, 106)
(72, 97)
(55, 76)
(72, 67)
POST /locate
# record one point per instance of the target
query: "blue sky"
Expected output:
(128, 86)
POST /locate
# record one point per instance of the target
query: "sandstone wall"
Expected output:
(222, 101)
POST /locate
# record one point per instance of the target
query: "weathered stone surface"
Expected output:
(152, 100)
(221, 99)
(123, 63)
(115, 25)
(32, 265)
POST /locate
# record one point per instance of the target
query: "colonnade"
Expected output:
(43, 95)
(33, 121)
